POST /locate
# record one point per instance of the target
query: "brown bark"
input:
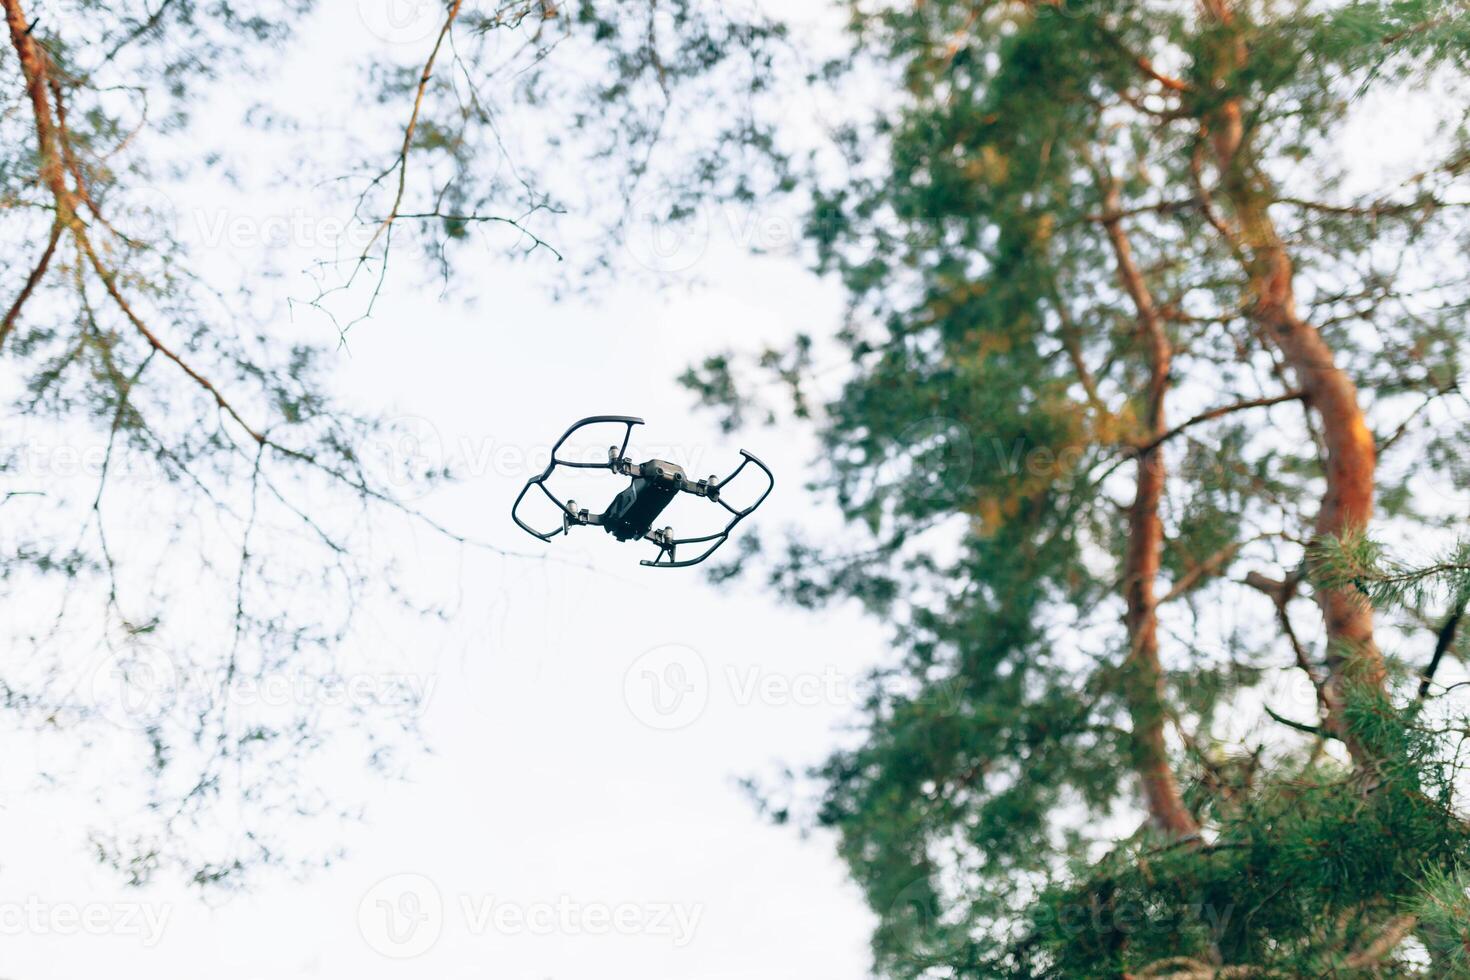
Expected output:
(1144, 676)
(38, 272)
(1353, 657)
(57, 160)
(33, 70)
(1143, 680)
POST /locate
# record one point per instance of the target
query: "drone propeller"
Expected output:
(655, 483)
(667, 543)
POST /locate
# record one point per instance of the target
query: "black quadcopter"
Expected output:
(632, 512)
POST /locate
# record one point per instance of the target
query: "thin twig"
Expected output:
(1220, 412)
(413, 119)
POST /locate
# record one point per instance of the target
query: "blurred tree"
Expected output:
(1139, 360)
(225, 525)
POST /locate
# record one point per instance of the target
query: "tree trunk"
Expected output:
(1353, 658)
(1143, 674)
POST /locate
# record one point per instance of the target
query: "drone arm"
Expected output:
(710, 489)
(570, 516)
(667, 546)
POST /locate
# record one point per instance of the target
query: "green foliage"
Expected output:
(1365, 565)
(982, 449)
(1443, 908)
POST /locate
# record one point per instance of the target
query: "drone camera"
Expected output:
(633, 511)
(663, 472)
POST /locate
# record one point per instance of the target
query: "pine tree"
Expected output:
(1137, 378)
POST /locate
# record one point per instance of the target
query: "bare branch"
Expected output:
(1395, 932)
(1299, 726)
(139, 31)
(536, 240)
(1281, 593)
(109, 282)
(37, 274)
(1216, 413)
(418, 100)
(1204, 569)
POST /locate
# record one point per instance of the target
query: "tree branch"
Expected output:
(1299, 726)
(33, 69)
(143, 28)
(1395, 932)
(1146, 65)
(418, 100)
(1374, 210)
(1208, 567)
(1442, 643)
(1143, 673)
(109, 282)
(1281, 593)
(1216, 413)
(37, 274)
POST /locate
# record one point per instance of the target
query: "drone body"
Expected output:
(632, 512)
(654, 485)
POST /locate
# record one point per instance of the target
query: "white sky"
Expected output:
(557, 794)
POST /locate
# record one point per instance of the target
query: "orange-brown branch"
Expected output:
(1143, 679)
(33, 69)
(1347, 505)
(38, 272)
(57, 161)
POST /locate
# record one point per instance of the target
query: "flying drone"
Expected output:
(630, 515)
